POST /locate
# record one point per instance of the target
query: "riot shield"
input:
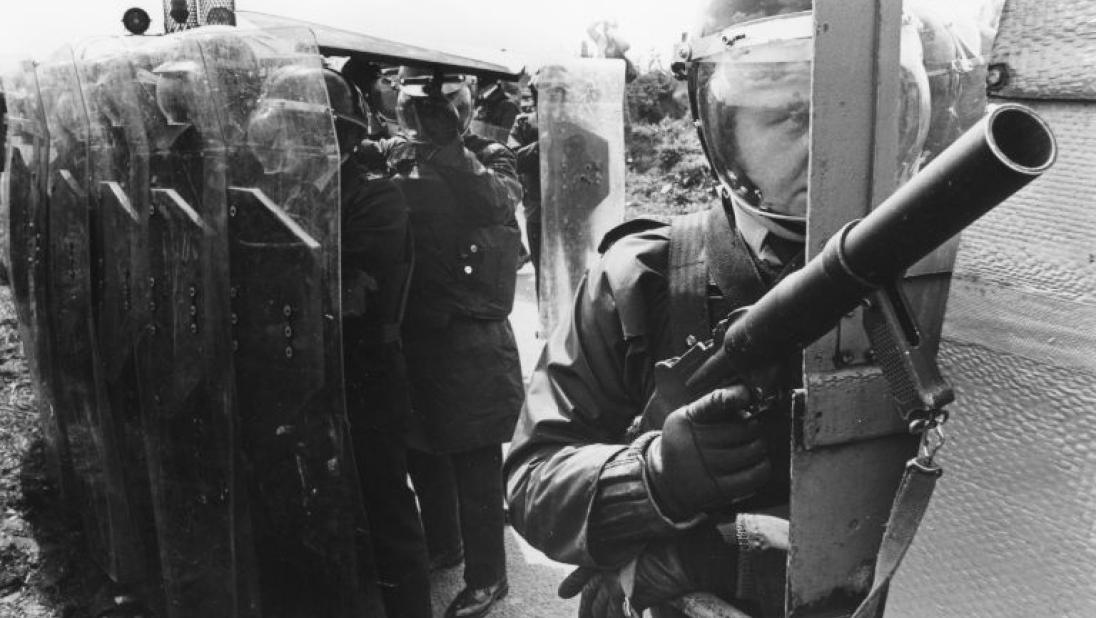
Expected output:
(284, 252)
(581, 116)
(74, 384)
(183, 359)
(25, 207)
(118, 190)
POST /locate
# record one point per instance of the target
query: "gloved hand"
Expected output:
(528, 158)
(699, 560)
(708, 457)
(439, 122)
(602, 596)
(451, 155)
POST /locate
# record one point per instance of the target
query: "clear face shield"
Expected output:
(435, 110)
(752, 92)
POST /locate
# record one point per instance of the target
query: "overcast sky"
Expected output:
(37, 27)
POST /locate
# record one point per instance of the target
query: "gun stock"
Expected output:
(1005, 150)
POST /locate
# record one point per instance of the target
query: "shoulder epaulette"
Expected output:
(632, 226)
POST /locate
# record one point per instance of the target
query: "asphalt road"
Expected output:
(533, 576)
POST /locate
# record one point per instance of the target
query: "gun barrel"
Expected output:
(1004, 151)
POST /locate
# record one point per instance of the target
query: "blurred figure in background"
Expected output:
(463, 361)
(376, 271)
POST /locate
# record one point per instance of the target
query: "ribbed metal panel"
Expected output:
(1012, 528)
(1050, 49)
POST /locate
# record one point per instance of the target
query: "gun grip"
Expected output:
(902, 354)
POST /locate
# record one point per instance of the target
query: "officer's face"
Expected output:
(771, 148)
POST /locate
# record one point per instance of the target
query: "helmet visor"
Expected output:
(753, 93)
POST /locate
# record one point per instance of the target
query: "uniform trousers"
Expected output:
(461, 497)
(399, 548)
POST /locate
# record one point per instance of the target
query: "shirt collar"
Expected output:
(752, 232)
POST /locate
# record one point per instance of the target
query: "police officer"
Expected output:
(376, 270)
(494, 111)
(595, 480)
(524, 141)
(462, 356)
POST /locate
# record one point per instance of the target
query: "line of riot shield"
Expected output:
(283, 227)
(118, 191)
(183, 357)
(75, 385)
(26, 223)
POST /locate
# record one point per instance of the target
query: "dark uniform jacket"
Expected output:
(461, 351)
(376, 267)
(523, 141)
(573, 491)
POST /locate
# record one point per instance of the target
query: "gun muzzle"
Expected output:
(1004, 151)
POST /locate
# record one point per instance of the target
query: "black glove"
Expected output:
(701, 560)
(528, 159)
(602, 596)
(439, 122)
(708, 457)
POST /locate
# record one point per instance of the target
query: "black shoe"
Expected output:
(476, 602)
(446, 560)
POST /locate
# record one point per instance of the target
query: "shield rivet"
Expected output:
(288, 332)
(289, 351)
(287, 311)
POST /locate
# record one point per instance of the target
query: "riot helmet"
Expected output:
(378, 91)
(113, 78)
(292, 123)
(234, 70)
(748, 64)
(349, 109)
(178, 89)
(433, 105)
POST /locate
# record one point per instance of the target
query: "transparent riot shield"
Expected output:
(581, 116)
(26, 218)
(118, 191)
(284, 252)
(184, 356)
(74, 379)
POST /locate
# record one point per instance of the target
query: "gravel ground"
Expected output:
(45, 571)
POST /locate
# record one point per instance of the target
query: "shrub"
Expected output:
(667, 173)
(651, 98)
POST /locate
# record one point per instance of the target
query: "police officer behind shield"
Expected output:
(585, 483)
(376, 269)
(376, 259)
(461, 353)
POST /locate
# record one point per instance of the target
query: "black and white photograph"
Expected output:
(548, 309)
